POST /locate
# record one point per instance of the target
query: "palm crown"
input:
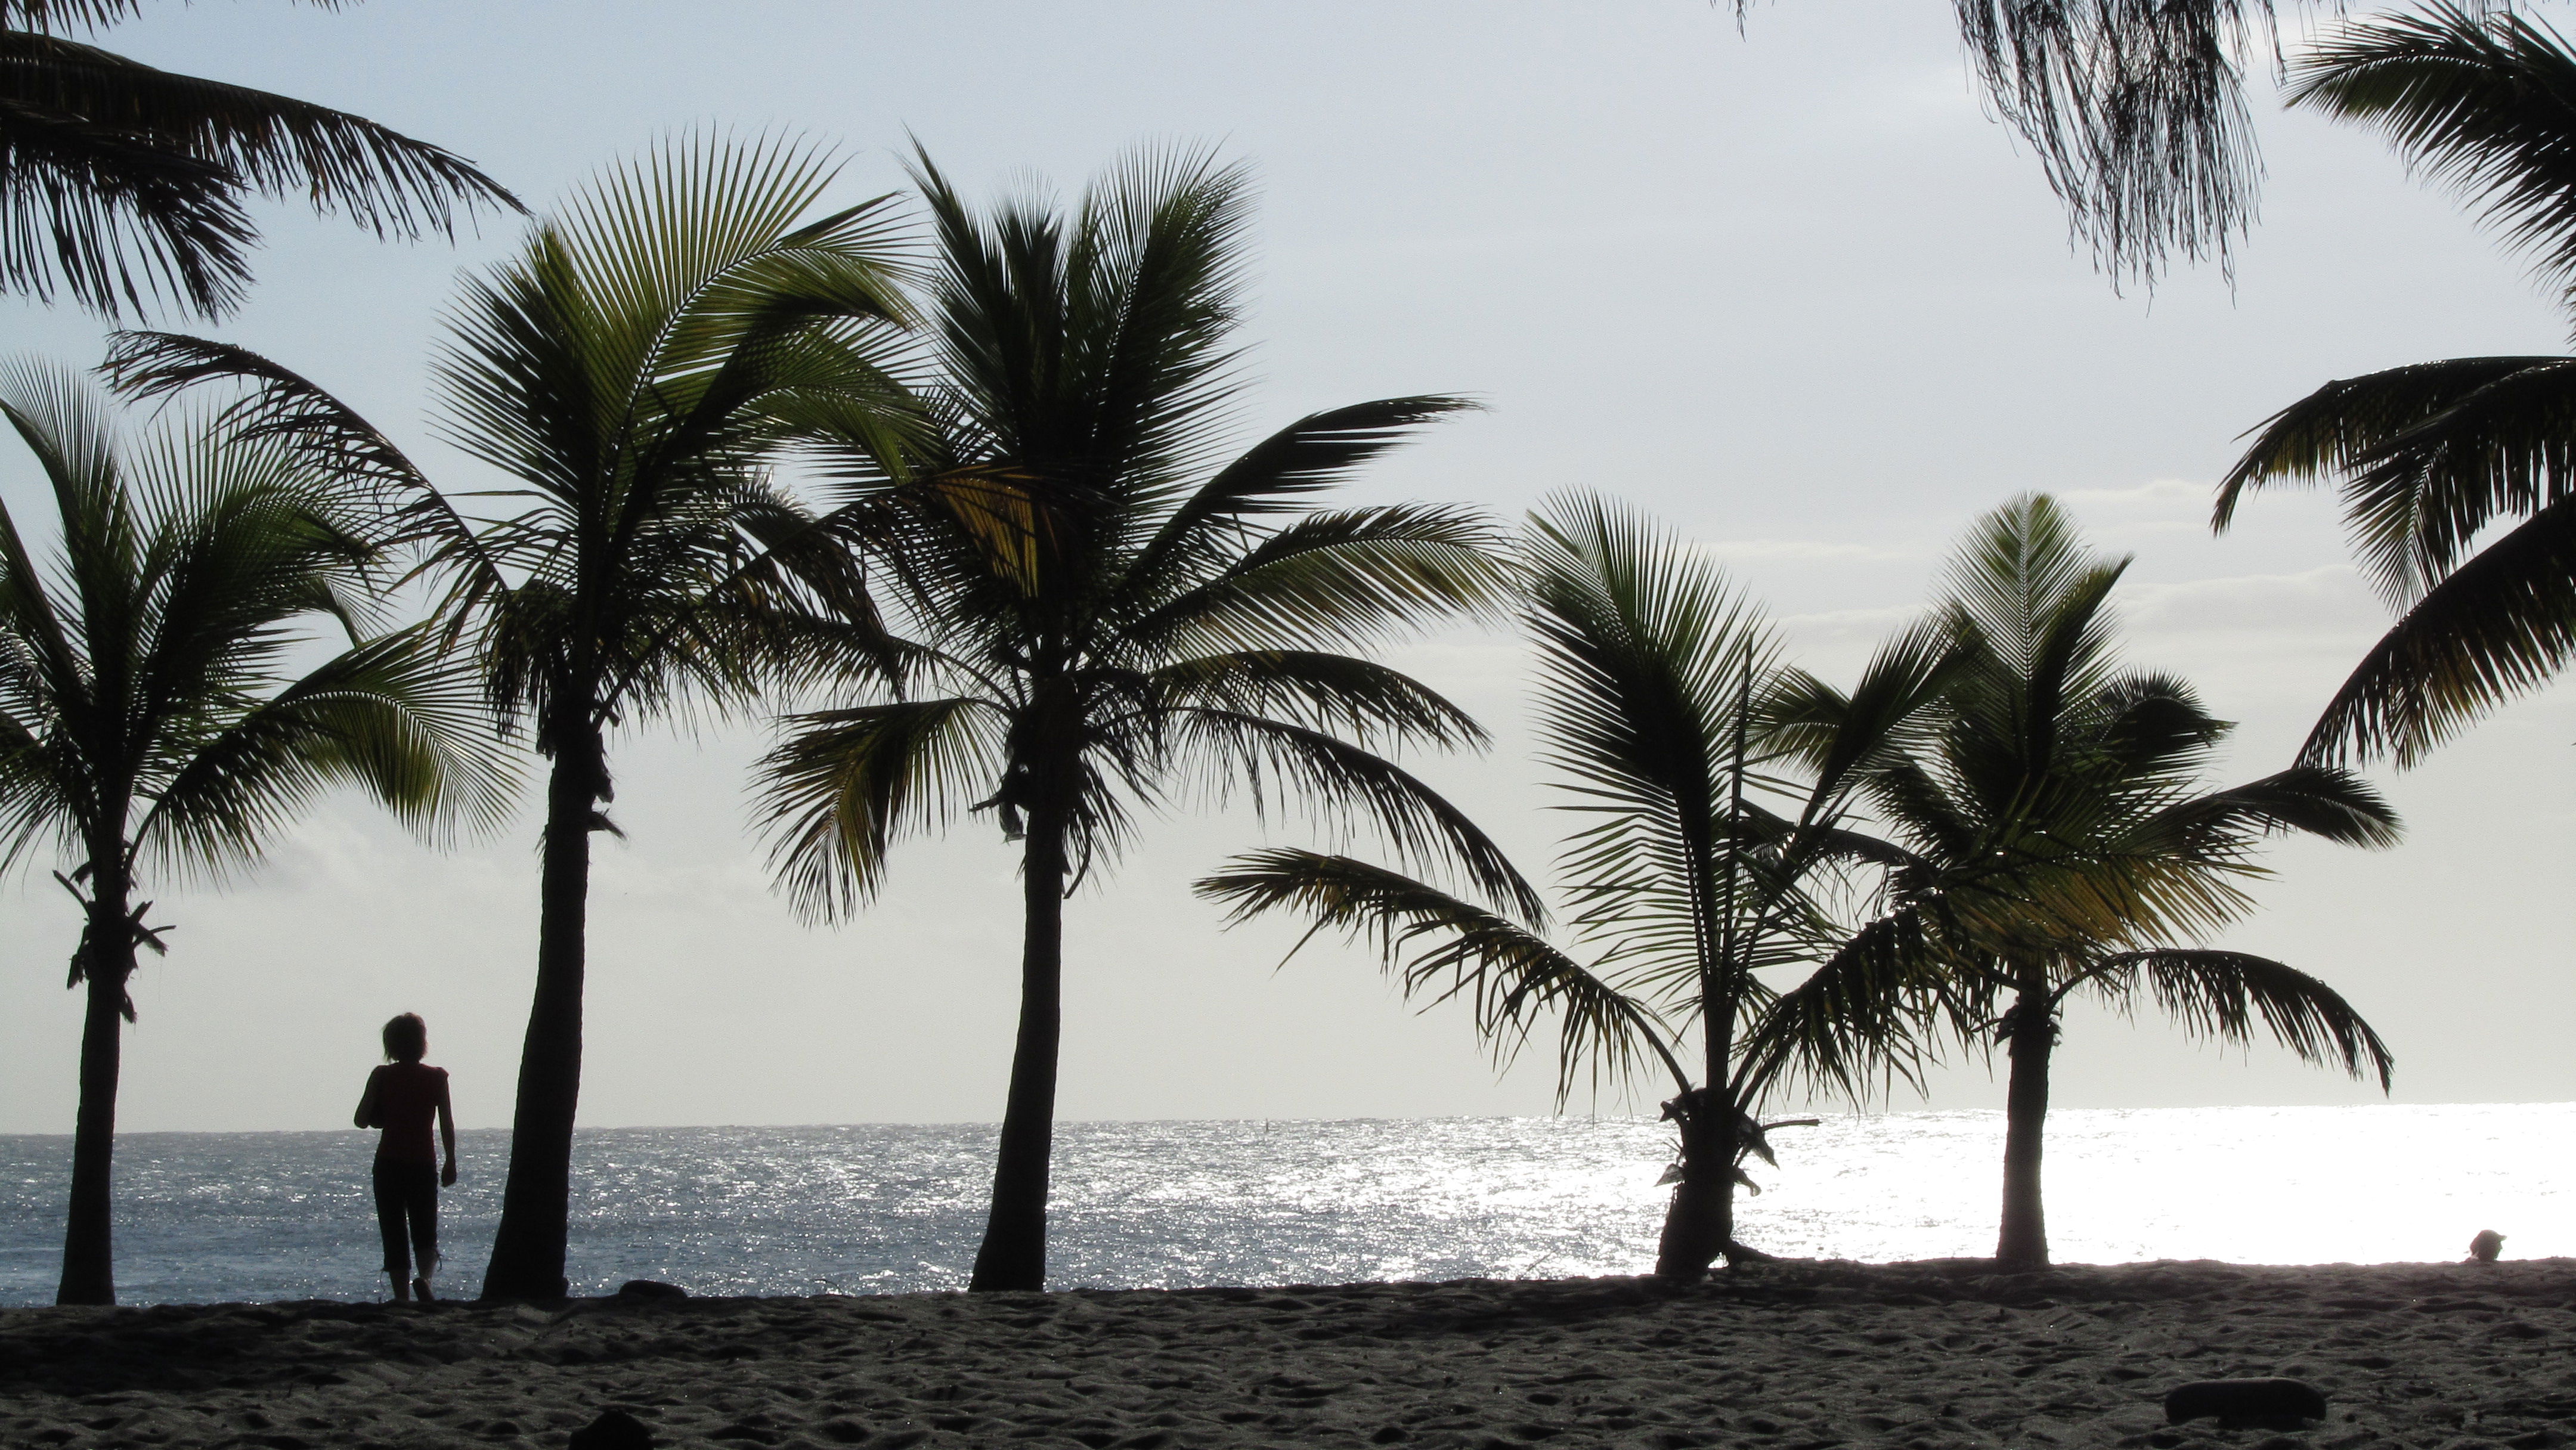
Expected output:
(1101, 609)
(2057, 837)
(1659, 699)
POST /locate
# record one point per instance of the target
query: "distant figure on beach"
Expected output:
(400, 1097)
(2484, 1248)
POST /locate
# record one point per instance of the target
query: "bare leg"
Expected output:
(402, 1291)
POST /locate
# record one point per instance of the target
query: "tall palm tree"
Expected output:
(123, 185)
(152, 720)
(635, 372)
(1658, 692)
(2433, 454)
(2057, 840)
(1103, 611)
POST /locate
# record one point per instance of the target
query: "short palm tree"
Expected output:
(153, 718)
(122, 185)
(1659, 708)
(2057, 840)
(635, 372)
(1103, 611)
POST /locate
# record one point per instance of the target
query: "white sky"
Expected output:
(1792, 291)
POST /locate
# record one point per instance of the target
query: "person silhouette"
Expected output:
(400, 1097)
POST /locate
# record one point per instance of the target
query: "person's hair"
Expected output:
(406, 1038)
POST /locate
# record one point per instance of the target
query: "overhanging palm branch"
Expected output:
(2434, 455)
(122, 184)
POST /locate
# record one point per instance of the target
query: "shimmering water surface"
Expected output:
(881, 1209)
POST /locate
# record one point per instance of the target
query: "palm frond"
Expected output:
(2481, 99)
(2431, 455)
(138, 171)
(2137, 111)
(394, 716)
(1444, 949)
(845, 783)
(1271, 759)
(2223, 996)
(2498, 626)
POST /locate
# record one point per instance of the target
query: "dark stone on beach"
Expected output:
(613, 1430)
(2279, 1404)
(650, 1289)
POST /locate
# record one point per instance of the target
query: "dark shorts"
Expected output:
(407, 1212)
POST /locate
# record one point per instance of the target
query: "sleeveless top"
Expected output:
(407, 1097)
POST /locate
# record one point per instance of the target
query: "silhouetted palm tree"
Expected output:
(119, 182)
(1655, 682)
(636, 371)
(2434, 454)
(2057, 839)
(1104, 612)
(151, 718)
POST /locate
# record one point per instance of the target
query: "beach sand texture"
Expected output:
(1775, 1356)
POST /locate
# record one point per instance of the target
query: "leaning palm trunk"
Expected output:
(2030, 1036)
(1013, 1255)
(528, 1248)
(106, 961)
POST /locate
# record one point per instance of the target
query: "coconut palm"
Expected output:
(2434, 454)
(153, 722)
(2058, 841)
(1656, 691)
(1102, 611)
(123, 185)
(634, 372)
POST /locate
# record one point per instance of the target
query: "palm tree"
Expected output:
(119, 182)
(1103, 613)
(1659, 699)
(2057, 841)
(2433, 454)
(151, 719)
(635, 371)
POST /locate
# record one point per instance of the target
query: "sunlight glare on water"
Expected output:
(884, 1209)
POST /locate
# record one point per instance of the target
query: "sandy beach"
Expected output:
(1787, 1355)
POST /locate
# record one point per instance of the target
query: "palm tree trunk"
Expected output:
(536, 1206)
(1699, 1223)
(89, 1258)
(1013, 1256)
(2032, 1036)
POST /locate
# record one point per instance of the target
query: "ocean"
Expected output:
(875, 1209)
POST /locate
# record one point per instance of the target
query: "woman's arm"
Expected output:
(447, 1130)
(367, 1103)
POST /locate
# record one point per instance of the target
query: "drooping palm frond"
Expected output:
(845, 783)
(1443, 949)
(1270, 759)
(2223, 995)
(2497, 627)
(123, 183)
(393, 716)
(1861, 1021)
(2431, 455)
(2137, 111)
(2479, 97)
